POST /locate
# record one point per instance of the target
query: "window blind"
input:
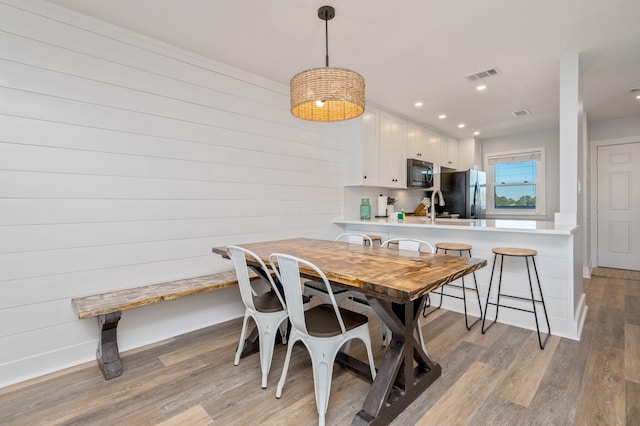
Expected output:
(522, 156)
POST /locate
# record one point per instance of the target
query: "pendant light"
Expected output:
(329, 93)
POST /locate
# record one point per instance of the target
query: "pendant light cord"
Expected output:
(326, 40)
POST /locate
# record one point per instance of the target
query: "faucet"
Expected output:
(433, 203)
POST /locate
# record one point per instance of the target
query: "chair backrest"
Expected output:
(411, 244)
(239, 257)
(288, 272)
(354, 238)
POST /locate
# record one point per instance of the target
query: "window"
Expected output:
(515, 183)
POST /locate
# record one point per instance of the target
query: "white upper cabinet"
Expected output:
(449, 153)
(417, 144)
(392, 161)
(433, 147)
(469, 154)
(377, 145)
(427, 145)
(361, 150)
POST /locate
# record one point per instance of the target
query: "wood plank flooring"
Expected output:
(501, 378)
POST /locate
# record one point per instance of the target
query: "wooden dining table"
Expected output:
(394, 283)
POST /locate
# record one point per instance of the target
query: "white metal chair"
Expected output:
(268, 309)
(410, 244)
(316, 289)
(313, 288)
(323, 329)
(415, 245)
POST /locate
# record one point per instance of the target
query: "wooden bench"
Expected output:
(108, 308)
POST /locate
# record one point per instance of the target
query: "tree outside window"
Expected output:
(515, 185)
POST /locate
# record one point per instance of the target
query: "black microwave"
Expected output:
(419, 174)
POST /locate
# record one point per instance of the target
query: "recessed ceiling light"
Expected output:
(418, 104)
(481, 88)
(476, 133)
(461, 126)
(442, 116)
(638, 97)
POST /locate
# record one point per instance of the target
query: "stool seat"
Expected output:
(510, 251)
(453, 246)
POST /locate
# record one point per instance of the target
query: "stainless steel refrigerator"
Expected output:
(465, 193)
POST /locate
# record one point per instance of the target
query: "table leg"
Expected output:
(398, 382)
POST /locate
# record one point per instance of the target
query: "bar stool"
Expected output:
(460, 248)
(526, 254)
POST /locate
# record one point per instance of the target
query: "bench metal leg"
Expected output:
(107, 354)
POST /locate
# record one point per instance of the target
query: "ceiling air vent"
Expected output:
(482, 74)
(521, 113)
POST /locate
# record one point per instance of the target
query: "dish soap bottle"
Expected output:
(365, 209)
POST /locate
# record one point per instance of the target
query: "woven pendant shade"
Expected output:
(327, 94)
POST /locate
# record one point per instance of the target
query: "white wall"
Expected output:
(547, 139)
(614, 129)
(122, 162)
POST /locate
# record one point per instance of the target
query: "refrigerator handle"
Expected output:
(475, 196)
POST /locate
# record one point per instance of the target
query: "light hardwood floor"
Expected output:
(501, 378)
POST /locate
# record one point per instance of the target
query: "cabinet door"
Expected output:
(451, 159)
(386, 151)
(433, 149)
(398, 154)
(370, 149)
(416, 143)
(392, 161)
(361, 145)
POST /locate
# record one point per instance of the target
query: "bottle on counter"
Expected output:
(365, 209)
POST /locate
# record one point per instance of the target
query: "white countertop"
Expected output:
(499, 225)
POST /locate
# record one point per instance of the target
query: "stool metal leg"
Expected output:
(486, 306)
(427, 300)
(533, 302)
(475, 282)
(464, 299)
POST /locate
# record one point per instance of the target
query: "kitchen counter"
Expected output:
(559, 263)
(498, 225)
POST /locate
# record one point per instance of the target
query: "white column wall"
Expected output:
(571, 122)
(122, 162)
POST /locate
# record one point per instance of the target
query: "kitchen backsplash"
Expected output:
(406, 199)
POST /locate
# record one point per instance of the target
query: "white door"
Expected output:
(619, 206)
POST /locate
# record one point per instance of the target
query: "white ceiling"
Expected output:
(414, 50)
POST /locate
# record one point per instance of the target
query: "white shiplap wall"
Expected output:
(122, 162)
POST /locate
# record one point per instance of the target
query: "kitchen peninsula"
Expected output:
(557, 247)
